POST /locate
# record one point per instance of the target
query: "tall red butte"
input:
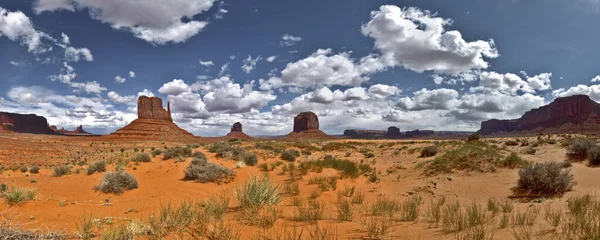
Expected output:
(306, 125)
(153, 123)
(236, 132)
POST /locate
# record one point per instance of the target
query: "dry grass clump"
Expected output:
(346, 168)
(471, 156)
(117, 182)
(97, 166)
(204, 171)
(177, 152)
(12, 232)
(377, 227)
(16, 196)
(544, 179)
(256, 192)
(344, 210)
(513, 160)
(290, 155)
(312, 212)
(216, 206)
(142, 157)
(61, 170)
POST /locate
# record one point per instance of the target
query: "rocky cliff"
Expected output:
(153, 123)
(24, 123)
(568, 114)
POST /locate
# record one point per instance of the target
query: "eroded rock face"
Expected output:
(24, 123)
(237, 127)
(152, 108)
(306, 121)
(574, 113)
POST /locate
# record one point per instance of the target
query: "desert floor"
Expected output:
(400, 175)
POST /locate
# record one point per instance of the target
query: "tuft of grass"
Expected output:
(97, 166)
(409, 209)
(61, 170)
(384, 206)
(16, 196)
(216, 206)
(85, 227)
(118, 232)
(255, 193)
(251, 159)
(117, 182)
(344, 210)
(545, 179)
(513, 160)
(377, 227)
(313, 212)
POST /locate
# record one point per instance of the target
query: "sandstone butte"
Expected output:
(306, 125)
(574, 114)
(153, 123)
(24, 123)
(236, 132)
(78, 131)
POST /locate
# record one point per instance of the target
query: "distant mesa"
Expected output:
(394, 133)
(574, 114)
(77, 132)
(306, 125)
(236, 132)
(153, 123)
(24, 123)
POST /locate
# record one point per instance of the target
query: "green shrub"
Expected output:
(156, 152)
(61, 170)
(473, 137)
(257, 192)
(594, 156)
(177, 152)
(142, 157)
(306, 152)
(23, 169)
(429, 151)
(250, 159)
(117, 182)
(16, 196)
(472, 156)
(97, 166)
(290, 155)
(200, 169)
(578, 149)
(546, 179)
(34, 169)
(513, 160)
(346, 168)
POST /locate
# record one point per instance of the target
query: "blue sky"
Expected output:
(363, 64)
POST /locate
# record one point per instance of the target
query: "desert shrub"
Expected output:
(216, 206)
(228, 150)
(177, 152)
(306, 152)
(204, 171)
(16, 196)
(250, 159)
(578, 149)
(513, 160)
(545, 179)
(23, 169)
(34, 169)
(290, 155)
(256, 192)
(429, 151)
(346, 168)
(117, 182)
(336, 146)
(511, 143)
(142, 157)
(198, 154)
(594, 156)
(9, 231)
(474, 156)
(156, 152)
(313, 212)
(61, 170)
(97, 166)
(473, 137)
(531, 151)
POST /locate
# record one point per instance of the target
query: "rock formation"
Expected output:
(24, 123)
(78, 131)
(153, 123)
(236, 132)
(306, 125)
(419, 133)
(577, 114)
(393, 132)
(365, 134)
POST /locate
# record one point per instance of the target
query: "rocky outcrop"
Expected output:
(568, 114)
(78, 131)
(236, 132)
(393, 132)
(366, 134)
(152, 108)
(306, 125)
(419, 133)
(153, 123)
(24, 123)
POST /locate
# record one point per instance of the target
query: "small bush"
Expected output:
(473, 137)
(156, 152)
(19, 195)
(594, 156)
(204, 171)
(578, 149)
(511, 143)
(34, 169)
(513, 160)
(61, 170)
(177, 152)
(250, 159)
(97, 166)
(547, 179)
(142, 157)
(117, 182)
(530, 151)
(429, 151)
(23, 169)
(257, 192)
(290, 155)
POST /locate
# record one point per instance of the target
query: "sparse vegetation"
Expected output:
(290, 155)
(16, 195)
(97, 166)
(429, 151)
(472, 156)
(117, 182)
(61, 170)
(513, 160)
(578, 149)
(204, 171)
(257, 192)
(177, 152)
(473, 137)
(142, 157)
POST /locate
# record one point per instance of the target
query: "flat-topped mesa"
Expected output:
(237, 127)
(306, 121)
(152, 108)
(393, 131)
(24, 123)
(576, 113)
